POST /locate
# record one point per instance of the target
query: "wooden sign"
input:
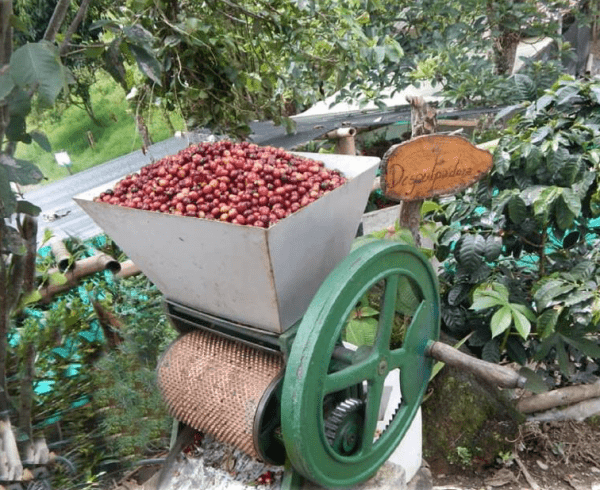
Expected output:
(432, 165)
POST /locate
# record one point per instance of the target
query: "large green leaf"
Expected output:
(577, 297)
(17, 130)
(501, 321)
(517, 210)
(26, 207)
(6, 84)
(361, 332)
(549, 293)
(501, 161)
(471, 252)
(491, 351)
(522, 324)
(42, 140)
(37, 65)
(572, 201)
(493, 248)
(543, 203)
(540, 134)
(147, 62)
(26, 173)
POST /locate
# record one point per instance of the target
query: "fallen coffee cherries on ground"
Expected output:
(240, 183)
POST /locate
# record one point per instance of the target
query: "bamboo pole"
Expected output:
(128, 269)
(84, 267)
(61, 255)
(344, 140)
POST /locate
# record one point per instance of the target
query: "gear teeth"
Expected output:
(337, 416)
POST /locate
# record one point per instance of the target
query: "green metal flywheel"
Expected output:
(332, 391)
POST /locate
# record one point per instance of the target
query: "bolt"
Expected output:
(382, 368)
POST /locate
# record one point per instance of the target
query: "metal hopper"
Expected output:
(263, 278)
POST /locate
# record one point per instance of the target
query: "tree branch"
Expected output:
(58, 17)
(74, 26)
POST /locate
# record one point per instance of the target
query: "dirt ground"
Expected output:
(551, 455)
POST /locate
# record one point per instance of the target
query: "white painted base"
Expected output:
(409, 452)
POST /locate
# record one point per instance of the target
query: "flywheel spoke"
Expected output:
(387, 313)
(352, 375)
(372, 412)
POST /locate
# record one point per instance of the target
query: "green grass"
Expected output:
(67, 130)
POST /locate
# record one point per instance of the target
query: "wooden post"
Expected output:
(423, 120)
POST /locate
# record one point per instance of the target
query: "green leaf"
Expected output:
(524, 310)
(25, 174)
(501, 161)
(540, 134)
(516, 351)
(572, 201)
(31, 297)
(57, 279)
(545, 200)
(548, 293)
(37, 66)
(558, 159)
(17, 129)
(564, 217)
(361, 332)
(408, 297)
(577, 297)
(563, 358)
(483, 302)
(138, 35)
(595, 93)
(493, 248)
(501, 321)
(367, 311)
(471, 252)
(6, 84)
(42, 140)
(429, 207)
(147, 63)
(535, 382)
(491, 352)
(517, 210)
(588, 347)
(567, 95)
(522, 324)
(19, 103)
(458, 294)
(26, 207)
(378, 54)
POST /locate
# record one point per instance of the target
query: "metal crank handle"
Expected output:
(499, 375)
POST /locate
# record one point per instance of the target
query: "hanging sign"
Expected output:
(432, 165)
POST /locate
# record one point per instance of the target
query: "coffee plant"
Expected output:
(520, 255)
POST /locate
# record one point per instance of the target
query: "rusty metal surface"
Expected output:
(215, 385)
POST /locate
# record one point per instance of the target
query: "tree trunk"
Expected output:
(505, 52)
(4, 319)
(423, 119)
(5, 53)
(58, 17)
(27, 392)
